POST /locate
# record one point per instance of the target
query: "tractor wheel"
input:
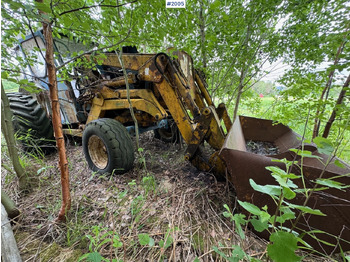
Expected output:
(108, 147)
(31, 122)
(169, 134)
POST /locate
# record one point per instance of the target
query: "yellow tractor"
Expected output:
(168, 93)
(162, 89)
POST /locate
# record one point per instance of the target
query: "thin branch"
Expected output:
(92, 6)
(335, 109)
(319, 111)
(20, 72)
(97, 50)
(32, 32)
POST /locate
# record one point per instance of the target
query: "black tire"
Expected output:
(31, 123)
(108, 147)
(169, 134)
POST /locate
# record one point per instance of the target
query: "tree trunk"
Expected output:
(239, 91)
(56, 122)
(9, 205)
(238, 98)
(326, 89)
(9, 249)
(8, 132)
(335, 109)
(202, 34)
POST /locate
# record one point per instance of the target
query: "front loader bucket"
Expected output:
(243, 166)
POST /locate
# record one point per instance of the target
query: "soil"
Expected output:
(169, 199)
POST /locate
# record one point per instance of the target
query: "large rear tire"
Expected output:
(31, 123)
(108, 147)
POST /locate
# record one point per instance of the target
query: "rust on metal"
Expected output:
(73, 132)
(199, 133)
(243, 166)
(120, 81)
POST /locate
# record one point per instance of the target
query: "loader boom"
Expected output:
(177, 91)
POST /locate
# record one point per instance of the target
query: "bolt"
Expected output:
(206, 111)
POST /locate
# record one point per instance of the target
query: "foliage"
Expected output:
(283, 247)
(100, 237)
(230, 41)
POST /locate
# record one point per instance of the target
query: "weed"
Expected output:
(136, 207)
(149, 184)
(100, 238)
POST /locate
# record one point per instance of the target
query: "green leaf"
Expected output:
(258, 225)
(238, 254)
(324, 145)
(4, 75)
(144, 239)
(94, 257)
(239, 220)
(270, 190)
(288, 193)
(277, 171)
(44, 7)
(83, 257)
(284, 182)
(282, 247)
(151, 242)
(227, 214)
(196, 260)
(116, 242)
(288, 214)
(103, 242)
(304, 153)
(215, 5)
(331, 183)
(307, 209)
(339, 164)
(251, 208)
(264, 216)
(165, 245)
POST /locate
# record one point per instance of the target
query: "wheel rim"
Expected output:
(98, 152)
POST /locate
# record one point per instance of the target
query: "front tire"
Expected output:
(108, 147)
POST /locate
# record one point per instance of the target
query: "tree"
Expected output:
(56, 119)
(336, 108)
(9, 134)
(315, 37)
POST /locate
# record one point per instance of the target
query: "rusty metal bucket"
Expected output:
(243, 165)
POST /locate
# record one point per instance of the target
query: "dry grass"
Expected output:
(185, 206)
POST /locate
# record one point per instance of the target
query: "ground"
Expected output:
(162, 210)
